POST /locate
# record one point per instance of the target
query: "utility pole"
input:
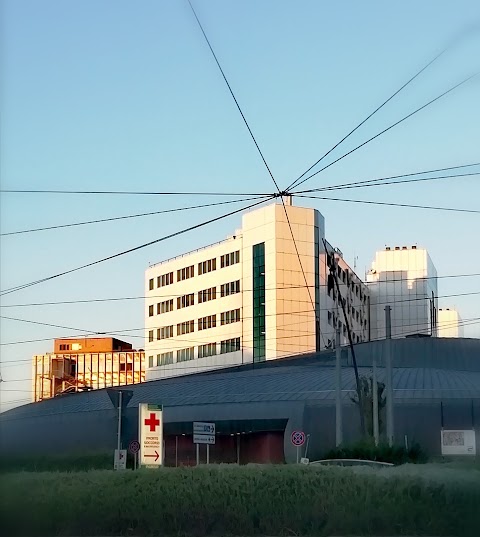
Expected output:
(376, 431)
(334, 274)
(389, 374)
(338, 387)
(119, 428)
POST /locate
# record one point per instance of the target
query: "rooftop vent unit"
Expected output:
(414, 247)
(404, 248)
(387, 248)
(397, 247)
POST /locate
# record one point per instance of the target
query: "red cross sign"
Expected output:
(152, 422)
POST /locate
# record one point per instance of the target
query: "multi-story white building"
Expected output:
(255, 296)
(406, 280)
(449, 323)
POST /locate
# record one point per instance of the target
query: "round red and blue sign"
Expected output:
(298, 438)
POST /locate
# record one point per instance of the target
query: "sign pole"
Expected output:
(298, 454)
(119, 429)
(176, 451)
(198, 454)
(208, 453)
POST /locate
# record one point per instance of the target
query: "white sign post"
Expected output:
(150, 432)
(120, 459)
(203, 433)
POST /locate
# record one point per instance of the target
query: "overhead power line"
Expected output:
(128, 192)
(233, 95)
(430, 207)
(130, 250)
(143, 297)
(445, 93)
(178, 209)
(381, 180)
(418, 73)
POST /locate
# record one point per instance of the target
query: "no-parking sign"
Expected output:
(298, 438)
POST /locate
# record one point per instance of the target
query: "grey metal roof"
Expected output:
(299, 380)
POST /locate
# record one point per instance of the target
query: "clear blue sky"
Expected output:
(125, 95)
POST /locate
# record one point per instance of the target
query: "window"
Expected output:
(232, 316)
(166, 358)
(183, 355)
(150, 310)
(165, 307)
(356, 290)
(207, 294)
(259, 326)
(165, 332)
(230, 345)
(185, 328)
(150, 336)
(207, 266)
(230, 259)
(150, 361)
(150, 284)
(185, 273)
(185, 301)
(344, 276)
(230, 288)
(329, 317)
(165, 279)
(64, 347)
(210, 321)
(127, 366)
(209, 349)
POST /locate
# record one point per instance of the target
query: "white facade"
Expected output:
(449, 323)
(205, 310)
(406, 280)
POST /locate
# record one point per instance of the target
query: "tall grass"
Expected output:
(247, 501)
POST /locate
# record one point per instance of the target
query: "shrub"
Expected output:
(367, 450)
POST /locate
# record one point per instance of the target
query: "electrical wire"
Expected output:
(384, 181)
(178, 209)
(130, 250)
(233, 96)
(128, 192)
(435, 58)
(464, 81)
(407, 205)
(163, 325)
(282, 288)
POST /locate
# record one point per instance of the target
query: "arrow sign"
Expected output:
(153, 456)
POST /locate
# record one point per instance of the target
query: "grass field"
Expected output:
(252, 500)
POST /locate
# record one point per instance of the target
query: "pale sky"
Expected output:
(116, 95)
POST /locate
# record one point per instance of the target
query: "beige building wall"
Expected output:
(295, 301)
(449, 323)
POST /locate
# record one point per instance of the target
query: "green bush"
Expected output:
(367, 450)
(49, 463)
(248, 501)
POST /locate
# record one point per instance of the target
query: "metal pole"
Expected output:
(238, 450)
(306, 446)
(389, 375)
(376, 432)
(208, 453)
(198, 454)
(298, 454)
(338, 390)
(119, 429)
(134, 461)
(176, 451)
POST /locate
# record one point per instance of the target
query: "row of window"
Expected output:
(207, 294)
(210, 321)
(332, 320)
(228, 317)
(230, 259)
(185, 273)
(164, 307)
(207, 266)
(165, 332)
(185, 328)
(356, 288)
(185, 301)
(184, 355)
(189, 300)
(203, 268)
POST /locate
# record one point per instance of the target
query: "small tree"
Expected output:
(366, 386)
